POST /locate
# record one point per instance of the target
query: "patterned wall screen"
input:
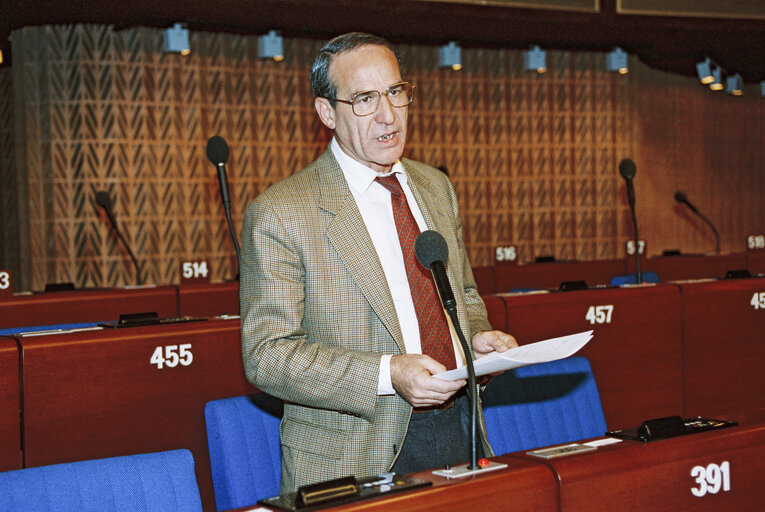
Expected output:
(533, 158)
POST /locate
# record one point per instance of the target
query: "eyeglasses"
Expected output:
(367, 102)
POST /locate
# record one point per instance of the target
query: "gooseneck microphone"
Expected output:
(104, 200)
(432, 251)
(217, 152)
(627, 169)
(680, 197)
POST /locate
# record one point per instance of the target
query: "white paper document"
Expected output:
(533, 353)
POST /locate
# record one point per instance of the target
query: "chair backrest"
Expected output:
(647, 277)
(156, 482)
(245, 452)
(543, 404)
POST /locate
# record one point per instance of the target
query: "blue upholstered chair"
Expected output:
(543, 404)
(648, 277)
(156, 482)
(245, 453)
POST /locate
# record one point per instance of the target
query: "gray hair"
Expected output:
(321, 84)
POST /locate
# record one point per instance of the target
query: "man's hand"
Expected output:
(485, 342)
(412, 378)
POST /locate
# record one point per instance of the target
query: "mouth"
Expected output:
(387, 137)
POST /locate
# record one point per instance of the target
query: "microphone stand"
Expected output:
(227, 209)
(118, 233)
(638, 276)
(714, 229)
(450, 305)
(631, 201)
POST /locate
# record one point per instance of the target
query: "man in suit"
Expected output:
(330, 321)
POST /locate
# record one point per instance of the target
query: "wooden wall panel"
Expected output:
(707, 144)
(8, 205)
(533, 157)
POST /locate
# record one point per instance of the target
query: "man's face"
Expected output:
(376, 140)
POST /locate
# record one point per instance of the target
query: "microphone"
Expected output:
(104, 201)
(680, 197)
(431, 250)
(627, 169)
(217, 152)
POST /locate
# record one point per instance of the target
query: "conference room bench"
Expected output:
(10, 406)
(724, 347)
(550, 275)
(87, 305)
(208, 299)
(707, 471)
(484, 279)
(636, 350)
(690, 266)
(755, 262)
(94, 394)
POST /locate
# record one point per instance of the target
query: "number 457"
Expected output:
(172, 355)
(758, 300)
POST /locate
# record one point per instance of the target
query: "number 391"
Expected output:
(711, 479)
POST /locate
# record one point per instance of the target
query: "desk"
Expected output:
(690, 266)
(551, 275)
(496, 310)
(101, 394)
(208, 300)
(100, 305)
(656, 476)
(10, 406)
(636, 352)
(755, 262)
(724, 349)
(484, 279)
(628, 476)
(523, 485)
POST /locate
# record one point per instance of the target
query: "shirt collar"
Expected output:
(358, 175)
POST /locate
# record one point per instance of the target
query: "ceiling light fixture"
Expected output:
(734, 85)
(450, 56)
(716, 84)
(616, 60)
(271, 46)
(176, 40)
(704, 70)
(535, 59)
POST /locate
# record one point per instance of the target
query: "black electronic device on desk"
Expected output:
(671, 426)
(151, 318)
(343, 490)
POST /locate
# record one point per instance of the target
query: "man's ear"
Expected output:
(325, 111)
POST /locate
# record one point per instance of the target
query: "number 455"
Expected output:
(172, 355)
(758, 300)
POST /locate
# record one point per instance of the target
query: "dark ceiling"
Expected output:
(669, 43)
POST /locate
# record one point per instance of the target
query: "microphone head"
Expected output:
(627, 169)
(680, 197)
(217, 150)
(430, 247)
(103, 199)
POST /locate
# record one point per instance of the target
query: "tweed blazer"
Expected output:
(317, 316)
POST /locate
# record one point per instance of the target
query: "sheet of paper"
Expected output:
(532, 353)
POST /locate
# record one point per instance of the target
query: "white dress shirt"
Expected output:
(374, 203)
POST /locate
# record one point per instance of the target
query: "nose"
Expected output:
(385, 111)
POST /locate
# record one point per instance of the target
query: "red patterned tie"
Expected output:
(435, 338)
